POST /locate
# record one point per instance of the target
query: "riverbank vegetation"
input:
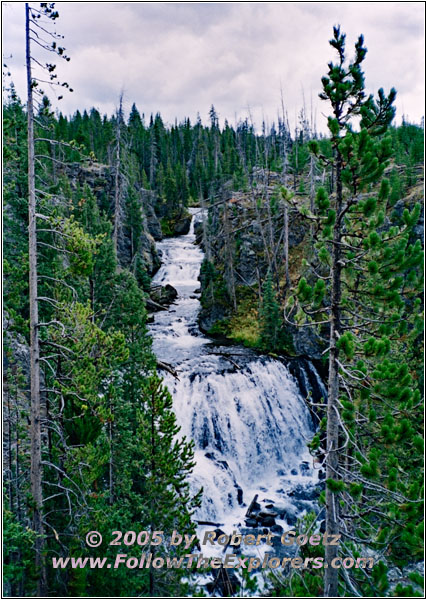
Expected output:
(107, 450)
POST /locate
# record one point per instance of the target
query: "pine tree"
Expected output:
(102, 467)
(169, 504)
(366, 291)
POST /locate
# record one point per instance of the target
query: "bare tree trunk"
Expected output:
(275, 272)
(265, 195)
(286, 244)
(206, 237)
(261, 229)
(258, 276)
(36, 452)
(206, 241)
(296, 160)
(153, 470)
(254, 199)
(229, 261)
(285, 207)
(332, 432)
(312, 183)
(117, 176)
(111, 461)
(92, 298)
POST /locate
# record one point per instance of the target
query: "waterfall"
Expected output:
(245, 412)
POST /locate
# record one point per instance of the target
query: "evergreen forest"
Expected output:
(312, 249)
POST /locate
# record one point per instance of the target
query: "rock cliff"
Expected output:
(101, 180)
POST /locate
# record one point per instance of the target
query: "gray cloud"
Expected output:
(180, 58)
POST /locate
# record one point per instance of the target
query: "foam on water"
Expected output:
(249, 422)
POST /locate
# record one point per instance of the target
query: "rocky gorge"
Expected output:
(244, 410)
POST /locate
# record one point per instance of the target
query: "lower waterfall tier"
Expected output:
(250, 426)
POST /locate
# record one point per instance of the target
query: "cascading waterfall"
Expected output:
(244, 412)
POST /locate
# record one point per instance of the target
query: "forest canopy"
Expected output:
(302, 232)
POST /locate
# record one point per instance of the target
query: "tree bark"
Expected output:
(231, 284)
(332, 432)
(286, 244)
(117, 177)
(285, 210)
(312, 194)
(111, 459)
(36, 451)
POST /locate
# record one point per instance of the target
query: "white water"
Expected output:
(249, 423)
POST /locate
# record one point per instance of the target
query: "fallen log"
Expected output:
(252, 505)
(167, 367)
(209, 523)
(154, 305)
(227, 357)
(233, 363)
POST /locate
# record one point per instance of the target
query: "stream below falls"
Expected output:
(245, 412)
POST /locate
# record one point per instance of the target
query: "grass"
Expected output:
(243, 326)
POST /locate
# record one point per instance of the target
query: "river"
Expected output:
(245, 412)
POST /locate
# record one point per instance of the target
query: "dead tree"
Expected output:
(229, 260)
(117, 186)
(36, 451)
(32, 17)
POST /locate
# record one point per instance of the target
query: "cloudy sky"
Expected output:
(179, 58)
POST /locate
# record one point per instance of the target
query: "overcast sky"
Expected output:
(179, 58)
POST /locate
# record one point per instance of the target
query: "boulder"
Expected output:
(290, 518)
(277, 529)
(163, 294)
(267, 513)
(182, 225)
(308, 493)
(304, 467)
(251, 522)
(304, 505)
(267, 521)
